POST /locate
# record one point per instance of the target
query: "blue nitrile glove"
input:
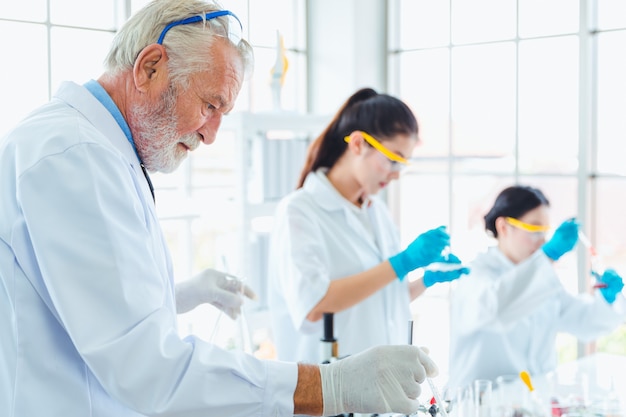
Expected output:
(613, 282)
(425, 249)
(563, 240)
(444, 269)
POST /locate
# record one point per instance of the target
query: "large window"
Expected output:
(47, 42)
(510, 92)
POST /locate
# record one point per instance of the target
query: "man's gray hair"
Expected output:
(184, 44)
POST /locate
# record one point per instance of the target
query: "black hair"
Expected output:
(514, 201)
(380, 115)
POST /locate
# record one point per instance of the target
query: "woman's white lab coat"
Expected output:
(87, 308)
(505, 318)
(318, 237)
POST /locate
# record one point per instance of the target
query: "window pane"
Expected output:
(611, 102)
(542, 18)
(483, 101)
(424, 77)
(614, 343)
(428, 195)
(424, 24)
(611, 14)
(473, 197)
(548, 105)
(483, 20)
(27, 69)
(34, 10)
(96, 14)
(78, 54)
(610, 222)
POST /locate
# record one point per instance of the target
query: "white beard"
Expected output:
(156, 136)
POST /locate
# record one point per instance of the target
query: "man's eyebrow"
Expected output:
(219, 98)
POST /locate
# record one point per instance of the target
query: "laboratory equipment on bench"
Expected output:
(437, 406)
(329, 349)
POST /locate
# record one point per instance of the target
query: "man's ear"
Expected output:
(150, 67)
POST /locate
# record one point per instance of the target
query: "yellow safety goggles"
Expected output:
(391, 155)
(532, 228)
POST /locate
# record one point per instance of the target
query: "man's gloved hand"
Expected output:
(382, 379)
(563, 240)
(222, 290)
(444, 269)
(422, 251)
(613, 284)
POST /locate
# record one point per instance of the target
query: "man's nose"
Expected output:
(210, 127)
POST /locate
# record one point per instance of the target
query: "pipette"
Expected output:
(596, 264)
(440, 404)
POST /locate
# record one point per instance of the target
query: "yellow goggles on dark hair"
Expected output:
(380, 148)
(532, 228)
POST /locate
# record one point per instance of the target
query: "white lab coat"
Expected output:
(318, 238)
(505, 318)
(87, 308)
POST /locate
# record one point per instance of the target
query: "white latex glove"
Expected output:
(382, 379)
(222, 290)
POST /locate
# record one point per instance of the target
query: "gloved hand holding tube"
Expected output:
(382, 379)
(563, 240)
(425, 249)
(611, 284)
(444, 274)
(220, 289)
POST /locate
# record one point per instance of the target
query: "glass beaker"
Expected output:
(462, 402)
(483, 397)
(511, 396)
(569, 391)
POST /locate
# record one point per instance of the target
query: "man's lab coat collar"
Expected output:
(82, 100)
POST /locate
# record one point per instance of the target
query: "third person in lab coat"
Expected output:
(507, 312)
(335, 247)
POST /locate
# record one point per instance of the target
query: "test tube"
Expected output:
(444, 266)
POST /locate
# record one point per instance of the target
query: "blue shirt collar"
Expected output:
(103, 97)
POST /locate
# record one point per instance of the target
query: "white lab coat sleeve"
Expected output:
(588, 317)
(302, 272)
(494, 299)
(98, 264)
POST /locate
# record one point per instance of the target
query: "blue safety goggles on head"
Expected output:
(206, 17)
